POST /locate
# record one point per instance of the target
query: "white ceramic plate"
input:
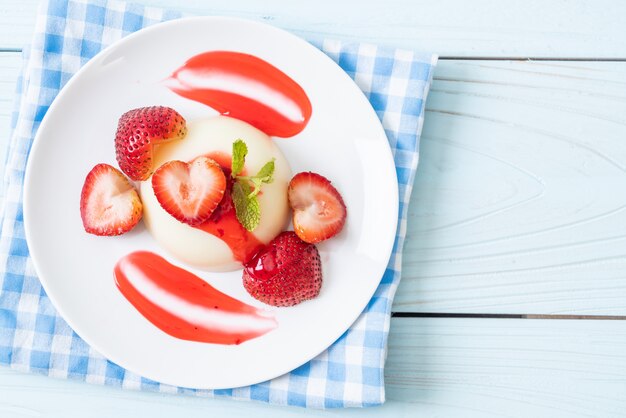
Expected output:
(344, 141)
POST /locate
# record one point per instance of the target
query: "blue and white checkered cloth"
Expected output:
(33, 337)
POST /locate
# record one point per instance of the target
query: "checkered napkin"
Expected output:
(33, 337)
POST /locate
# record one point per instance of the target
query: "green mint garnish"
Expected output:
(246, 188)
(266, 172)
(240, 150)
(264, 176)
(246, 207)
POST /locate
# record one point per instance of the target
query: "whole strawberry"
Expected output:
(138, 130)
(286, 272)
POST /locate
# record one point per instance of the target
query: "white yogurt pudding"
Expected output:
(216, 135)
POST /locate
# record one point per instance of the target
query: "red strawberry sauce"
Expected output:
(223, 222)
(244, 87)
(183, 305)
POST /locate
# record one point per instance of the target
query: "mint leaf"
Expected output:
(264, 176)
(240, 150)
(246, 188)
(266, 173)
(247, 206)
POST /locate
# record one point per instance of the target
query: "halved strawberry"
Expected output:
(189, 192)
(318, 209)
(284, 273)
(109, 204)
(138, 130)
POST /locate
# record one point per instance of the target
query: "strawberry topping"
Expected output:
(138, 130)
(109, 204)
(284, 273)
(318, 209)
(190, 192)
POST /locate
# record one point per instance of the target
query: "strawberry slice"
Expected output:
(109, 204)
(138, 130)
(318, 209)
(286, 272)
(190, 192)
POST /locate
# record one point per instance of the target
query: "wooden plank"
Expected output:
(509, 367)
(436, 367)
(518, 205)
(17, 23)
(480, 28)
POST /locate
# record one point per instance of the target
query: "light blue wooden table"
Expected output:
(513, 300)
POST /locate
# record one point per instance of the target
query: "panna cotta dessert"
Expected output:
(215, 194)
(221, 243)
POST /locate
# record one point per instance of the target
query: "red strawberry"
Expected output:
(109, 204)
(138, 130)
(284, 273)
(189, 192)
(318, 209)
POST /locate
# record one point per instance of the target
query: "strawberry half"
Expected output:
(284, 273)
(138, 130)
(318, 209)
(109, 204)
(189, 192)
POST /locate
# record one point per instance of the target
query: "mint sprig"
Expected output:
(246, 188)
(247, 207)
(240, 150)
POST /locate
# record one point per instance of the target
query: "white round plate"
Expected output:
(343, 141)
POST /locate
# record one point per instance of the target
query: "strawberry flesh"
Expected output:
(286, 272)
(109, 204)
(190, 192)
(319, 212)
(138, 130)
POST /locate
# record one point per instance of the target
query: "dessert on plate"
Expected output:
(227, 245)
(216, 194)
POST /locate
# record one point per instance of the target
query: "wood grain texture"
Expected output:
(518, 205)
(478, 28)
(509, 367)
(436, 368)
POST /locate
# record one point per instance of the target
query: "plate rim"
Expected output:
(28, 174)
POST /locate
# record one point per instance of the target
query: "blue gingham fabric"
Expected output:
(33, 337)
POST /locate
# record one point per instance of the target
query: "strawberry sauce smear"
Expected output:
(183, 305)
(244, 87)
(226, 227)
(223, 222)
